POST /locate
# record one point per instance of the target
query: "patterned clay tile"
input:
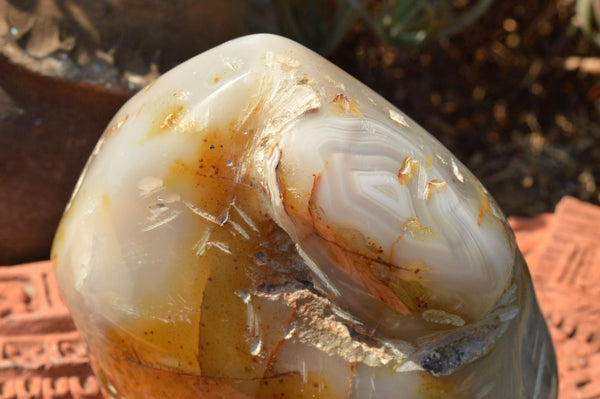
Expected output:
(41, 352)
(43, 356)
(563, 253)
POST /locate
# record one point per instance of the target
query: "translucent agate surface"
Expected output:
(257, 223)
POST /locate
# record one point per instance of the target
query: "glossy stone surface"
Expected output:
(256, 222)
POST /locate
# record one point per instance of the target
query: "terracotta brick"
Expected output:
(41, 353)
(563, 253)
(530, 232)
(43, 356)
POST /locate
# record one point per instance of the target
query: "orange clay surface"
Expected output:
(42, 355)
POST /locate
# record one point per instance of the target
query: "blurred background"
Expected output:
(511, 87)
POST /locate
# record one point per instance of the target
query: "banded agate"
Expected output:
(257, 223)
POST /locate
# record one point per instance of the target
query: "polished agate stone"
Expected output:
(257, 223)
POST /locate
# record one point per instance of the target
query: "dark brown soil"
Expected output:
(515, 96)
(510, 96)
